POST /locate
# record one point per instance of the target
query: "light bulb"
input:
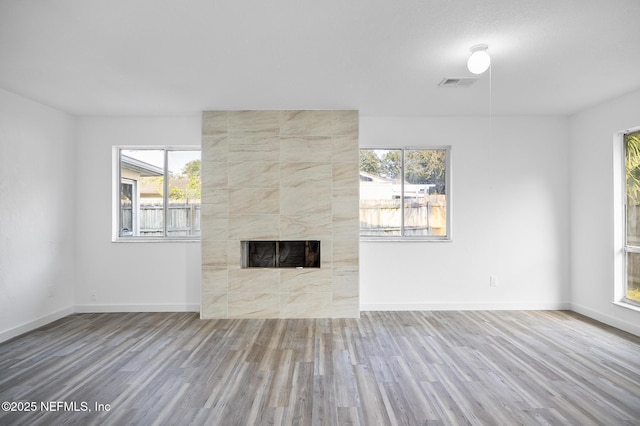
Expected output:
(479, 60)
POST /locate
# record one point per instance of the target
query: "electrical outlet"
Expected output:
(50, 291)
(493, 281)
(93, 295)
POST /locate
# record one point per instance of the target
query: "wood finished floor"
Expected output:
(387, 368)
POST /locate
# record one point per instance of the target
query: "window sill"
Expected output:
(156, 240)
(405, 240)
(627, 306)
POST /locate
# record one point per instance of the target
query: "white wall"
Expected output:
(510, 218)
(592, 210)
(37, 214)
(158, 276)
(516, 211)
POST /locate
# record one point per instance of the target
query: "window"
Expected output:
(632, 218)
(159, 193)
(404, 193)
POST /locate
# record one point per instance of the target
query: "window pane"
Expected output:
(633, 277)
(632, 174)
(380, 198)
(425, 203)
(143, 170)
(183, 213)
(632, 163)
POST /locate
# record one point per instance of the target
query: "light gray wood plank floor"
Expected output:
(387, 368)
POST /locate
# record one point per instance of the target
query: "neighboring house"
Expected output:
(374, 187)
(142, 209)
(132, 190)
(131, 170)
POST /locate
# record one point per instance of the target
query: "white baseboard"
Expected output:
(137, 308)
(607, 319)
(36, 323)
(551, 306)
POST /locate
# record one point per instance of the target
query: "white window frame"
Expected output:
(620, 222)
(117, 179)
(449, 205)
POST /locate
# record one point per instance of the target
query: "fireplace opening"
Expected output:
(281, 254)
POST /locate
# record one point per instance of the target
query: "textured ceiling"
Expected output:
(383, 57)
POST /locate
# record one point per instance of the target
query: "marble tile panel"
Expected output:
(212, 226)
(215, 202)
(254, 305)
(305, 123)
(346, 175)
(263, 123)
(254, 174)
(345, 122)
(312, 226)
(346, 282)
(345, 149)
(346, 228)
(213, 305)
(345, 307)
(214, 176)
(254, 280)
(307, 280)
(253, 148)
(215, 254)
(300, 201)
(254, 200)
(345, 253)
(215, 148)
(214, 122)
(297, 171)
(326, 254)
(308, 175)
(346, 202)
(254, 227)
(306, 305)
(234, 252)
(214, 279)
(306, 148)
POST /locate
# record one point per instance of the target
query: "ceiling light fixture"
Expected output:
(479, 61)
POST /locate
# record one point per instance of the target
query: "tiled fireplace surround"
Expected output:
(280, 175)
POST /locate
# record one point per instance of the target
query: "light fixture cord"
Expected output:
(492, 171)
(490, 101)
(491, 144)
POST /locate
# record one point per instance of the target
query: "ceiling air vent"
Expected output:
(457, 82)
